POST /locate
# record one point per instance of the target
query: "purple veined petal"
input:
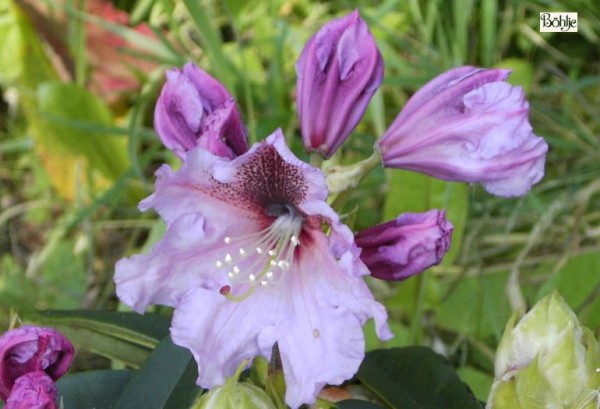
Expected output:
(468, 125)
(339, 70)
(401, 248)
(27, 349)
(246, 264)
(315, 319)
(195, 109)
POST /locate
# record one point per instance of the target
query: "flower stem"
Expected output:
(416, 325)
(342, 180)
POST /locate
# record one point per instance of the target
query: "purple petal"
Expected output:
(468, 125)
(27, 349)
(401, 248)
(338, 71)
(34, 390)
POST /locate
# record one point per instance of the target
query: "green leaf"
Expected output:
(357, 404)
(415, 378)
(125, 336)
(92, 389)
(81, 124)
(414, 192)
(166, 381)
(578, 282)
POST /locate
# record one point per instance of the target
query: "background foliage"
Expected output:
(77, 152)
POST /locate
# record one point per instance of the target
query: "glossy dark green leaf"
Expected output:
(357, 404)
(125, 336)
(415, 378)
(93, 389)
(166, 381)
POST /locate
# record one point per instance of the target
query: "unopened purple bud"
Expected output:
(34, 390)
(468, 125)
(196, 109)
(339, 70)
(28, 349)
(401, 248)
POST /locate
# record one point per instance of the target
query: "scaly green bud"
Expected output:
(235, 395)
(546, 359)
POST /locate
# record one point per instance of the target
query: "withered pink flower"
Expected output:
(469, 125)
(195, 109)
(339, 70)
(401, 248)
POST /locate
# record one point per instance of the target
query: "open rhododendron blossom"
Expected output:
(247, 265)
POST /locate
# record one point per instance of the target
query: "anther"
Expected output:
(270, 275)
(236, 270)
(230, 275)
(264, 283)
(228, 258)
(295, 241)
(259, 250)
(242, 252)
(219, 264)
(252, 277)
(227, 240)
(273, 263)
(272, 253)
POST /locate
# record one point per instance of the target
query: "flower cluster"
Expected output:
(31, 359)
(254, 257)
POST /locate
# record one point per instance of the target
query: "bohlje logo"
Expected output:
(558, 22)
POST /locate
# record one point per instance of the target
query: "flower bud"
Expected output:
(401, 248)
(546, 359)
(468, 125)
(195, 109)
(339, 70)
(29, 349)
(235, 395)
(34, 390)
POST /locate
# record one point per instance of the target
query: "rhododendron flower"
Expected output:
(29, 349)
(196, 109)
(339, 70)
(34, 390)
(247, 265)
(401, 248)
(468, 125)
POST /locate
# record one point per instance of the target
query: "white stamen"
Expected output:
(262, 257)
